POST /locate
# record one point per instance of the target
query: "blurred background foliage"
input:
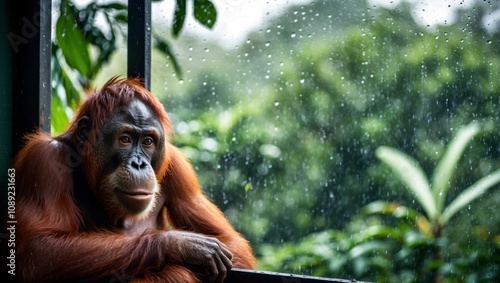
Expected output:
(283, 128)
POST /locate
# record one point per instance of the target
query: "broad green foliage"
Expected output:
(204, 12)
(386, 242)
(390, 252)
(413, 176)
(432, 198)
(82, 47)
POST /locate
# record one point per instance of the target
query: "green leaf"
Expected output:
(73, 44)
(248, 186)
(179, 17)
(369, 247)
(205, 13)
(164, 47)
(59, 119)
(73, 96)
(446, 166)
(470, 194)
(121, 17)
(379, 232)
(399, 211)
(410, 173)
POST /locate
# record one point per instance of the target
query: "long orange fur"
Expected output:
(53, 241)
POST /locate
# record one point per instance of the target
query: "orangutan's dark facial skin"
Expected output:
(130, 148)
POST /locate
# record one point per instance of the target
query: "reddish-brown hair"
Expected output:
(115, 93)
(99, 106)
(62, 235)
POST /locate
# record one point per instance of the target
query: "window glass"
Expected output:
(348, 139)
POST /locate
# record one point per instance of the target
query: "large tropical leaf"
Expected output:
(446, 166)
(73, 43)
(59, 118)
(399, 211)
(179, 17)
(410, 173)
(468, 195)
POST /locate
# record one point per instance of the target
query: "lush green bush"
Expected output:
(283, 131)
(413, 247)
(375, 248)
